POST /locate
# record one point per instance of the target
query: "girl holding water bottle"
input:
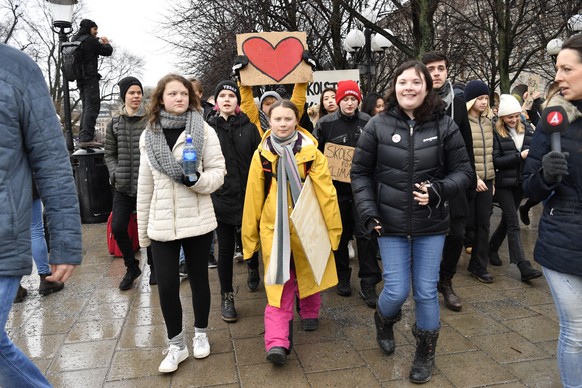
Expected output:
(175, 209)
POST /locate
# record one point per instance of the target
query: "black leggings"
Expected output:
(226, 235)
(166, 256)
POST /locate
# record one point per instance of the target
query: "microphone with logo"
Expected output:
(554, 122)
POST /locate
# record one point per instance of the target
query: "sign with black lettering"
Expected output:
(339, 160)
(328, 79)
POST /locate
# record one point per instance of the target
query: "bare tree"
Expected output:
(10, 15)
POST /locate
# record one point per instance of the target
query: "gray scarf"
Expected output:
(287, 174)
(264, 119)
(446, 93)
(160, 155)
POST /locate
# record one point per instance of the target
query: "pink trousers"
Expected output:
(279, 321)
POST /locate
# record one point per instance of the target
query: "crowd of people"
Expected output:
(429, 165)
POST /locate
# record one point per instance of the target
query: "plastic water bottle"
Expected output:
(189, 160)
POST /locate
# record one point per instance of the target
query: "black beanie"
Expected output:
(227, 85)
(125, 84)
(475, 89)
(86, 25)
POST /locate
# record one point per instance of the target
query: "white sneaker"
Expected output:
(174, 357)
(200, 345)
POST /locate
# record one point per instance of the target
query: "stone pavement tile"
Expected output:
(220, 340)
(103, 310)
(84, 355)
(216, 369)
(144, 316)
(113, 294)
(508, 347)
(353, 377)
(439, 381)
(328, 330)
(550, 347)
(501, 310)
(535, 329)
(151, 381)
(538, 373)
(324, 356)
(547, 310)
(138, 363)
(248, 327)
(472, 369)
(266, 375)
(249, 351)
(364, 338)
(249, 307)
(149, 336)
(96, 330)
(508, 278)
(146, 299)
(43, 364)
(451, 341)
(81, 378)
(530, 296)
(41, 346)
(43, 325)
(393, 367)
(478, 292)
(471, 324)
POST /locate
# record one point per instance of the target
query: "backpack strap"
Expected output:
(268, 172)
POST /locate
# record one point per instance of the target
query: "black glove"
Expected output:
(239, 62)
(309, 59)
(187, 181)
(554, 166)
(371, 224)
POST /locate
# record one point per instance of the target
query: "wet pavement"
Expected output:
(93, 335)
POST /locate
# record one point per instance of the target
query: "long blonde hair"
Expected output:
(501, 128)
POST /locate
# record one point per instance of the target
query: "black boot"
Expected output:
(494, 258)
(227, 307)
(527, 271)
(385, 330)
(253, 279)
(343, 287)
(20, 294)
(47, 287)
(133, 272)
(445, 287)
(423, 364)
(153, 280)
(368, 293)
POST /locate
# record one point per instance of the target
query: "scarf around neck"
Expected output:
(158, 152)
(278, 271)
(446, 93)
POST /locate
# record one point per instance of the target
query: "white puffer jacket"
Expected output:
(168, 210)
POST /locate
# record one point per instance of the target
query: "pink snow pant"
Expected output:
(279, 321)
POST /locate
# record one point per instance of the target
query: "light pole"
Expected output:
(363, 45)
(575, 24)
(553, 48)
(62, 14)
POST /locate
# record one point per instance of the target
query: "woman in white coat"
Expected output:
(174, 211)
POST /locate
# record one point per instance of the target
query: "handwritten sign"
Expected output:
(533, 83)
(339, 159)
(328, 79)
(274, 58)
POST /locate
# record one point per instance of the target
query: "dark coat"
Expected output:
(559, 243)
(91, 48)
(507, 159)
(391, 157)
(239, 138)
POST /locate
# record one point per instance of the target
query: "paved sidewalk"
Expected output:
(93, 335)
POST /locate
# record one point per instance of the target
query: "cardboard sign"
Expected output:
(533, 83)
(339, 159)
(328, 79)
(274, 58)
(310, 225)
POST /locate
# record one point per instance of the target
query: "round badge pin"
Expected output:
(396, 138)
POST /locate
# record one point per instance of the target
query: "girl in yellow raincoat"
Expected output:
(288, 153)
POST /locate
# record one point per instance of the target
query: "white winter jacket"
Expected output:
(169, 210)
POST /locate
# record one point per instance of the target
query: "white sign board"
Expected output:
(328, 79)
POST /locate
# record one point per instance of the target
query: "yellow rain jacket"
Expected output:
(258, 220)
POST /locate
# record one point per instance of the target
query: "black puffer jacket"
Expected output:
(91, 48)
(338, 128)
(239, 138)
(392, 156)
(507, 159)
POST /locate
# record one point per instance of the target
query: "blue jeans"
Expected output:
(39, 249)
(419, 259)
(567, 292)
(16, 370)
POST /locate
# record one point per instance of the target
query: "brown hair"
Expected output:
(285, 104)
(197, 84)
(155, 104)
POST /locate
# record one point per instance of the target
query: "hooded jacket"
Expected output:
(259, 215)
(239, 139)
(559, 244)
(122, 150)
(392, 156)
(91, 48)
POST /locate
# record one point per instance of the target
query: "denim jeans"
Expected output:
(39, 248)
(16, 370)
(417, 258)
(567, 292)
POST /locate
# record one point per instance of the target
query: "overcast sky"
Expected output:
(131, 25)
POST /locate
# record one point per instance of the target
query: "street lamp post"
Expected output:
(363, 45)
(575, 24)
(62, 14)
(553, 48)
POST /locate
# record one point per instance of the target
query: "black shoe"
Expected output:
(47, 287)
(445, 287)
(20, 294)
(212, 262)
(253, 279)
(277, 355)
(524, 215)
(153, 280)
(483, 278)
(130, 276)
(494, 258)
(310, 324)
(528, 272)
(227, 307)
(343, 287)
(183, 271)
(368, 293)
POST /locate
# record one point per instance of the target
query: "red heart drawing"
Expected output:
(275, 62)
